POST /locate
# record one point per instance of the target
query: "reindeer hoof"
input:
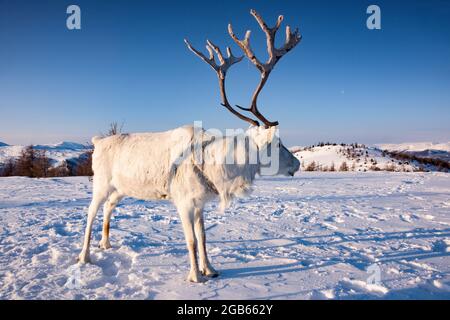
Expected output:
(83, 259)
(196, 277)
(104, 245)
(210, 272)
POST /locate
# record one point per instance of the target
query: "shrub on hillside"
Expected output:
(332, 167)
(311, 167)
(31, 163)
(344, 166)
(84, 167)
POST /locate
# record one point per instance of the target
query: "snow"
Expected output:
(365, 158)
(65, 145)
(7, 152)
(363, 286)
(323, 156)
(415, 146)
(429, 150)
(58, 152)
(314, 236)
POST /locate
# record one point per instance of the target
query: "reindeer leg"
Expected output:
(205, 266)
(108, 208)
(97, 200)
(187, 219)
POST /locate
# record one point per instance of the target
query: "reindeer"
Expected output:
(155, 166)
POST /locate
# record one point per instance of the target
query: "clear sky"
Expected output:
(129, 64)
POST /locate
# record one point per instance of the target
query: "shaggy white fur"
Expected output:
(185, 166)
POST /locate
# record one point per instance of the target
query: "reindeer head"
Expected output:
(263, 136)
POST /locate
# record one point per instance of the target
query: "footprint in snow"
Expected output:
(278, 212)
(406, 218)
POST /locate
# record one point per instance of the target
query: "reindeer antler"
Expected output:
(221, 70)
(275, 54)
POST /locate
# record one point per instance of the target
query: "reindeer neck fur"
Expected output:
(230, 179)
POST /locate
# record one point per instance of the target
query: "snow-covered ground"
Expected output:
(314, 236)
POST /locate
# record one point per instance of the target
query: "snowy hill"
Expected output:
(429, 150)
(57, 153)
(353, 157)
(65, 145)
(415, 147)
(2, 144)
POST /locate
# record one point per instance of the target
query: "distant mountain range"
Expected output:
(59, 152)
(421, 150)
(415, 147)
(65, 145)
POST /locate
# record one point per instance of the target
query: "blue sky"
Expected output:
(129, 64)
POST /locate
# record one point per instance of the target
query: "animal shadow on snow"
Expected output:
(343, 253)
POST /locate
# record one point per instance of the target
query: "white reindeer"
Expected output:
(154, 166)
